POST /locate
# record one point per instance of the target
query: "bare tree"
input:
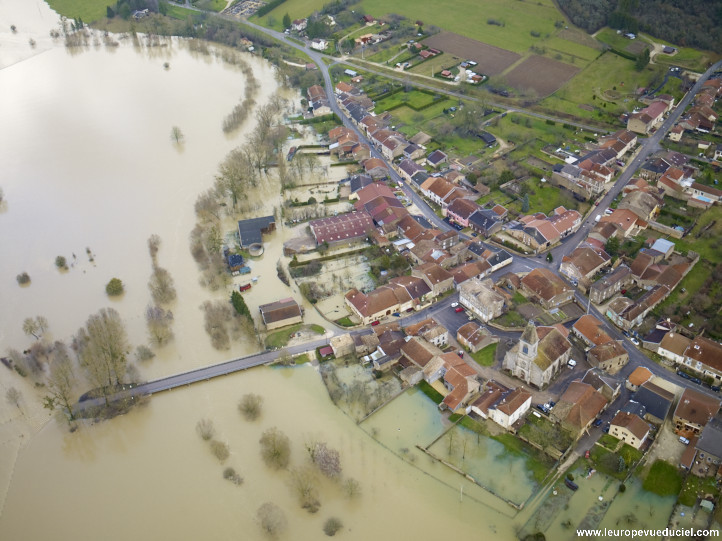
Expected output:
(62, 382)
(275, 448)
(160, 323)
(303, 483)
(326, 459)
(250, 406)
(220, 450)
(153, 246)
(103, 348)
(332, 526)
(205, 429)
(351, 487)
(161, 286)
(271, 519)
(176, 135)
(207, 206)
(35, 327)
(13, 396)
(216, 315)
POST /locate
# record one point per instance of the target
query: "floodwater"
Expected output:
(88, 163)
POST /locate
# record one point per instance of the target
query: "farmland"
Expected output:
(540, 74)
(491, 60)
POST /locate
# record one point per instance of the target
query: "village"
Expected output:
(537, 325)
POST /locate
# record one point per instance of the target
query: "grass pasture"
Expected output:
(414, 99)
(87, 10)
(470, 18)
(434, 65)
(296, 9)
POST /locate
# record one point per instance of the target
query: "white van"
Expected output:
(571, 363)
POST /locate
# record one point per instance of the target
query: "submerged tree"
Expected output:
(275, 448)
(250, 406)
(62, 382)
(176, 135)
(272, 519)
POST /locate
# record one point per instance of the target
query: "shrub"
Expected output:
(144, 353)
(23, 278)
(114, 287)
(250, 406)
(61, 263)
(220, 450)
(231, 475)
(205, 429)
(331, 526)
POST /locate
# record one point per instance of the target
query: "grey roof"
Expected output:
(655, 337)
(488, 138)
(635, 407)
(656, 165)
(250, 230)
(419, 178)
(423, 222)
(483, 219)
(360, 181)
(654, 400)
(710, 441)
(476, 248)
(499, 257)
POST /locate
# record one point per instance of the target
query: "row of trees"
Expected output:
(158, 317)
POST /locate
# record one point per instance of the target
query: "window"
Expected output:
(525, 350)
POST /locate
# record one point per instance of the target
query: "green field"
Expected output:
(414, 98)
(469, 18)
(88, 10)
(608, 72)
(434, 65)
(296, 9)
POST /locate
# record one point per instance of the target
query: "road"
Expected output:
(441, 310)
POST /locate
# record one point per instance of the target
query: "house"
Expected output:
(673, 346)
(356, 183)
(591, 331)
(234, 262)
(460, 210)
(490, 395)
(436, 158)
(346, 228)
(627, 314)
(693, 412)
(629, 428)
(319, 44)
(485, 222)
(430, 330)
(610, 357)
(459, 379)
(539, 355)
(408, 168)
(704, 356)
(481, 299)
(379, 303)
(281, 313)
(656, 401)
(550, 290)
(474, 337)
(342, 345)
(250, 231)
(644, 205)
(625, 220)
(611, 284)
(648, 118)
(510, 408)
(474, 269)
(425, 356)
(709, 449)
(417, 289)
(438, 279)
(376, 168)
(299, 25)
(578, 407)
(638, 377)
(584, 262)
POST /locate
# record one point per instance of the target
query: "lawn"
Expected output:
(485, 357)
(345, 322)
(414, 98)
(418, 119)
(545, 433)
(88, 10)
(429, 391)
(511, 319)
(607, 462)
(296, 9)
(435, 65)
(697, 486)
(280, 338)
(302, 359)
(211, 5)
(663, 479)
(385, 54)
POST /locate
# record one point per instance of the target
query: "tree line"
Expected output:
(691, 24)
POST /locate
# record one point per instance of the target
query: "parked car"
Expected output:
(396, 314)
(634, 341)
(552, 403)
(684, 440)
(374, 323)
(460, 354)
(542, 408)
(459, 309)
(597, 422)
(454, 304)
(571, 363)
(606, 429)
(244, 287)
(571, 484)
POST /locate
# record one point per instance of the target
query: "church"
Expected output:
(539, 354)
